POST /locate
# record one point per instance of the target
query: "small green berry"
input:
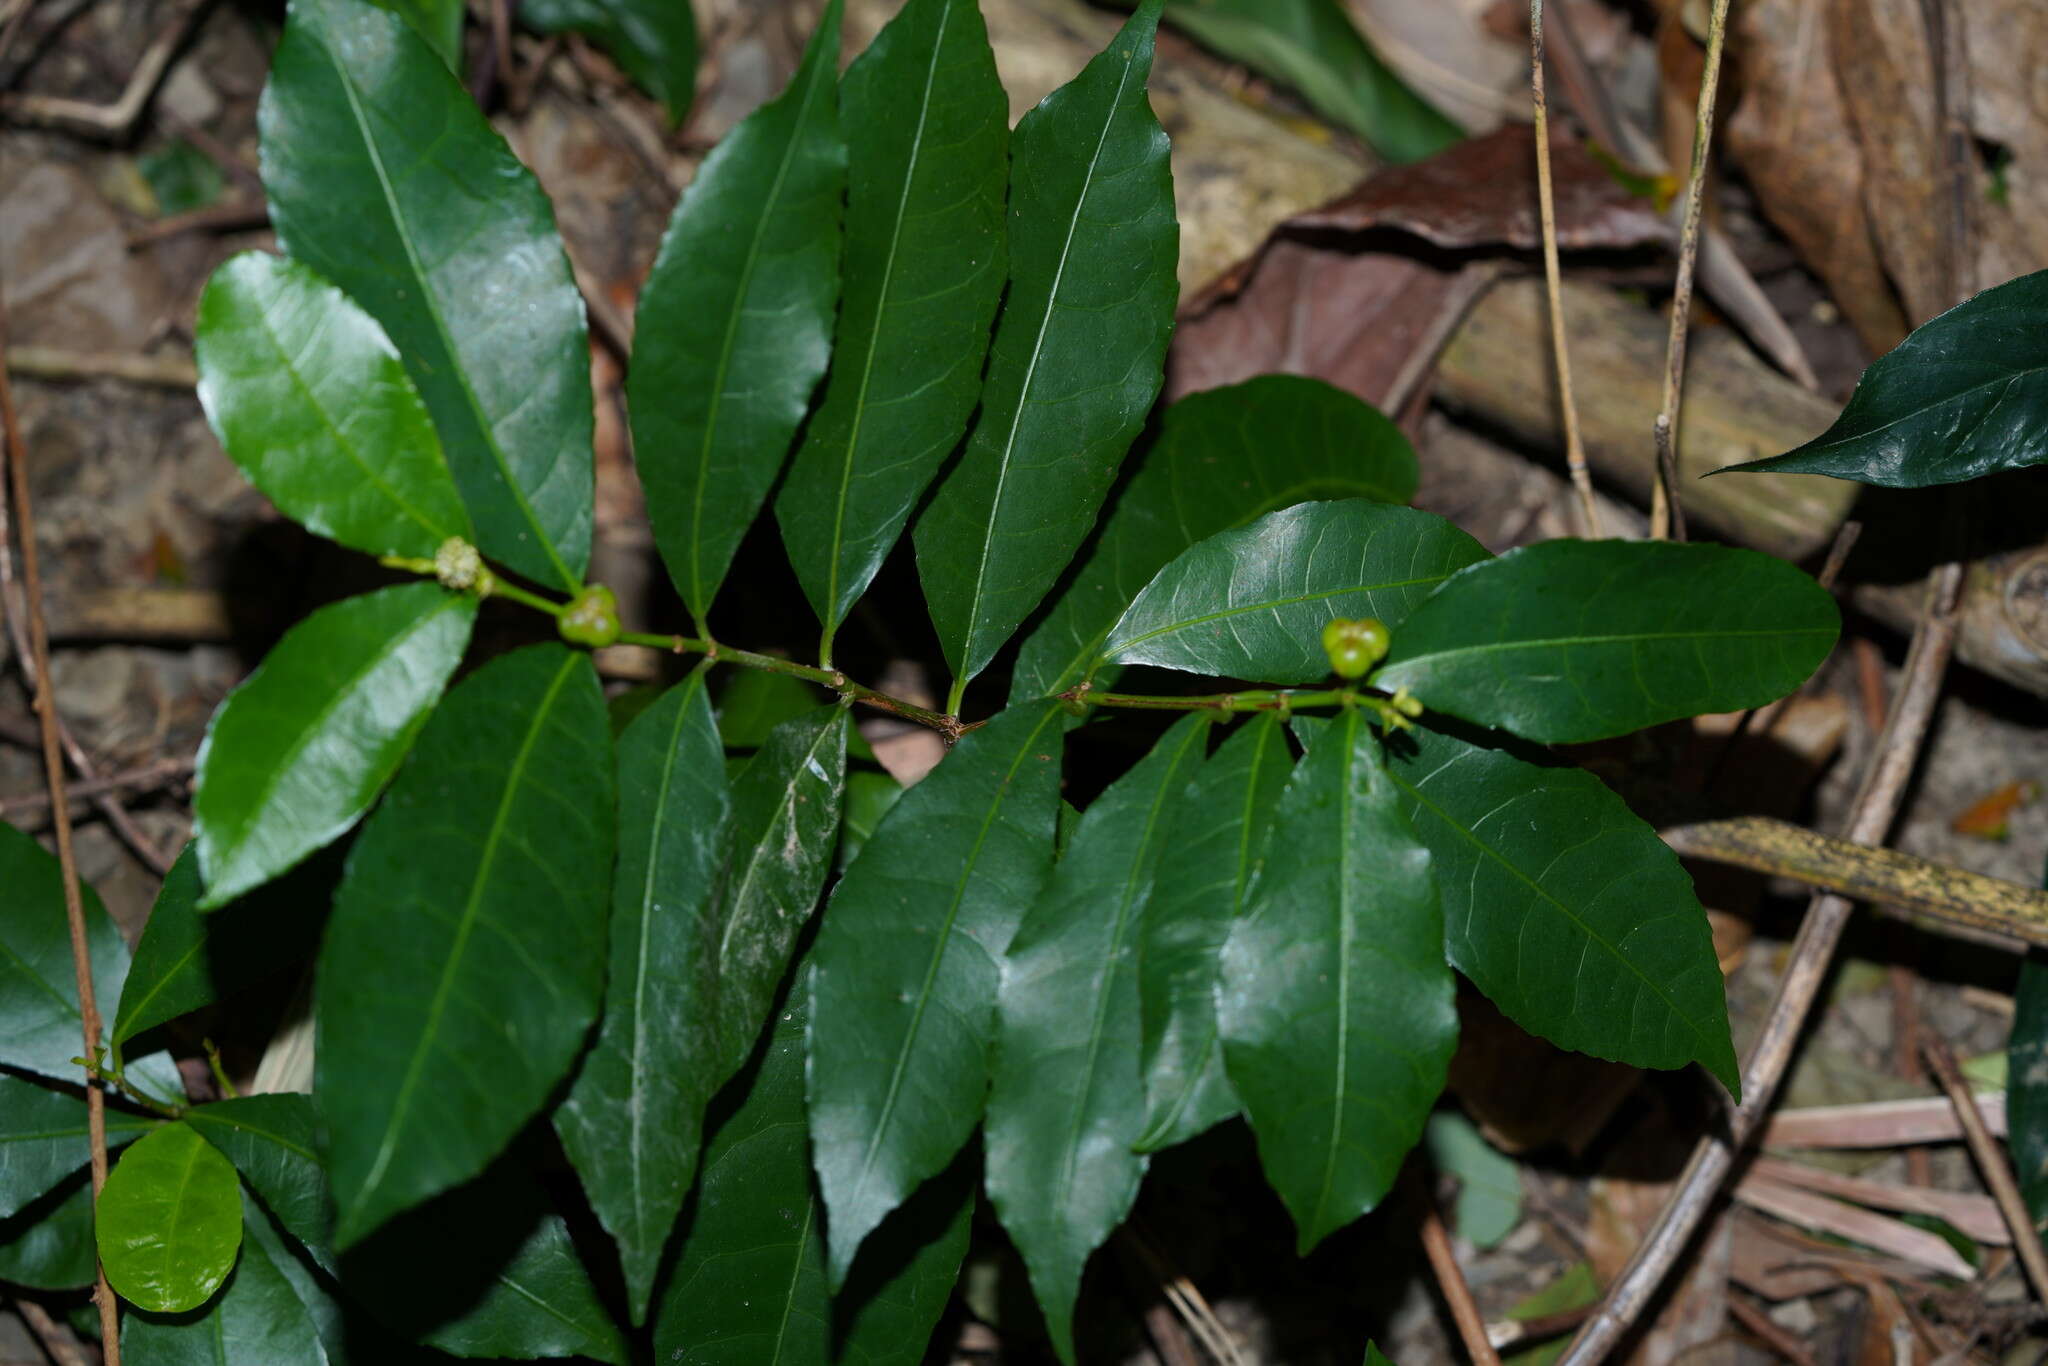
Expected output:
(1354, 647)
(591, 618)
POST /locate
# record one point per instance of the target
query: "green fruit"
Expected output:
(591, 618)
(1355, 647)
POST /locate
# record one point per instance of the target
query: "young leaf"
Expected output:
(905, 969)
(257, 1317)
(749, 1283)
(1312, 46)
(1568, 641)
(43, 1139)
(309, 397)
(1252, 602)
(1564, 907)
(1078, 354)
(274, 1141)
(1489, 1181)
(631, 1122)
(1211, 468)
(1066, 1106)
(1964, 396)
(301, 748)
(187, 960)
(926, 125)
(170, 1221)
(39, 1021)
(735, 324)
(465, 954)
(1220, 839)
(1337, 1009)
(655, 41)
(384, 176)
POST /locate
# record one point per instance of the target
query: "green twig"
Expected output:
(1260, 699)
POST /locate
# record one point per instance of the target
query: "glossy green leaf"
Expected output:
(907, 963)
(1211, 468)
(309, 398)
(43, 1139)
(749, 1286)
(926, 126)
(754, 702)
(385, 178)
(301, 748)
(631, 1122)
(1564, 907)
(274, 1141)
(1964, 396)
(1489, 1181)
(187, 961)
(256, 1317)
(1066, 1106)
(437, 21)
(1312, 46)
(465, 953)
(735, 324)
(170, 1221)
(1337, 1009)
(1078, 353)
(486, 1270)
(1568, 641)
(654, 40)
(1221, 834)
(869, 797)
(1251, 602)
(349, 1335)
(48, 1245)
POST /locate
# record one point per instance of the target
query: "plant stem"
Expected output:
(500, 588)
(60, 815)
(1263, 699)
(1666, 514)
(1574, 447)
(954, 696)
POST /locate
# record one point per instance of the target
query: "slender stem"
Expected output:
(1574, 446)
(1992, 1165)
(1450, 1279)
(955, 695)
(1666, 513)
(1279, 699)
(514, 593)
(60, 813)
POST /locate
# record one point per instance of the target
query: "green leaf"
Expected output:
(465, 953)
(754, 702)
(631, 1122)
(1964, 396)
(384, 177)
(1564, 907)
(300, 749)
(907, 963)
(257, 1317)
(749, 1284)
(309, 397)
(1312, 46)
(1078, 354)
(2026, 1086)
(1221, 836)
(180, 177)
(439, 22)
(274, 1141)
(1569, 641)
(1375, 1357)
(48, 1246)
(43, 1139)
(735, 324)
(1489, 1181)
(170, 1221)
(1066, 1106)
(349, 1335)
(1337, 1009)
(486, 1270)
(1251, 602)
(654, 40)
(926, 125)
(869, 797)
(1212, 468)
(187, 961)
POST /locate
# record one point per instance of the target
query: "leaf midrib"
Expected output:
(432, 304)
(1345, 934)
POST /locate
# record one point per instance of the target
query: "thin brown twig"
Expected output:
(15, 23)
(1991, 1165)
(1827, 915)
(60, 364)
(116, 119)
(1574, 445)
(1450, 1279)
(60, 810)
(142, 778)
(1667, 514)
(53, 1337)
(241, 215)
(1758, 1324)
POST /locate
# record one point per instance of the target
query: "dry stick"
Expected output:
(52, 1336)
(1574, 448)
(60, 810)
(109, 120)
(143, 778)
(1871, 816)
(15, 23)
(1667, 516)
(1450, 1279)
(1759, 1325)
(1991, 1163)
